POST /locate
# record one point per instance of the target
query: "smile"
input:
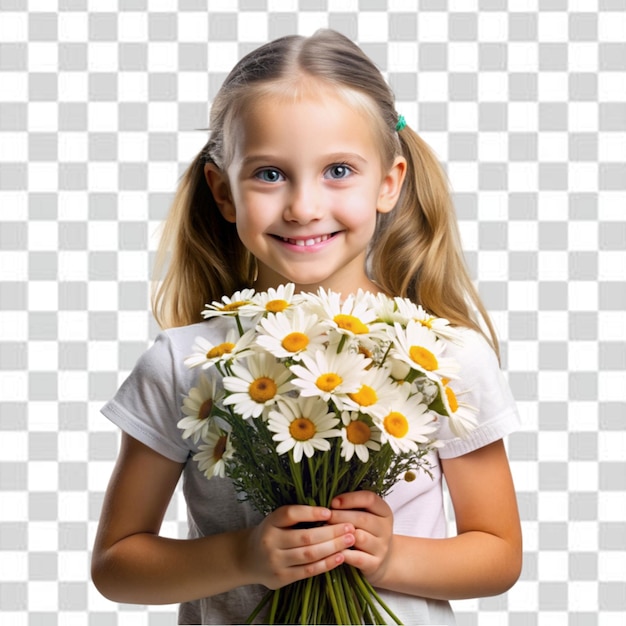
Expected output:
(306, 242)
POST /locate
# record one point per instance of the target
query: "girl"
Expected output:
(309, 177)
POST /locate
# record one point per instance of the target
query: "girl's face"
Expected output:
(304, 187)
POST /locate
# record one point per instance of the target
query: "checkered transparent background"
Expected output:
(100, 106)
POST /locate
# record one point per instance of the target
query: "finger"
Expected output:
(287, 516)
(359, 519)
(297, 537)
(280, 574)
(317, 567)
(365, 500)
(364, 561)
(371, 541)
(368, 553)
(312, 547)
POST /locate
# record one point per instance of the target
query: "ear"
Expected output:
(218, 184)
(391, 186)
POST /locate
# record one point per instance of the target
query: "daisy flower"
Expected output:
(273, 300)
(329, 375)
(356, 317)
(289, 336)
(405, 308)
(439, 325)
(197, 407)
(230, 305)
(406, 422)
(387, 311)
(205, 353)
(214, 452)
(302, 425)
(419, 347)
(357, 437)
(461, 416)
(375, 391)
(257, 386)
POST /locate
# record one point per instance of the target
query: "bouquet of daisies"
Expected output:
(321, 396)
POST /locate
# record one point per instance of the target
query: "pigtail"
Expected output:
(200, 256)
(418, 253)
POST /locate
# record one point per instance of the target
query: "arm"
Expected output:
(483, 559)
(131, 563)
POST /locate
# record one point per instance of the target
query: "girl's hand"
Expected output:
(373, 520)
(278, 552)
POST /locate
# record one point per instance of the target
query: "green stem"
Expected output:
(340, 616)
(297, 479)
(386, 354)
(274, 607)
(412, 375)
(239, 326)
(304, 617)
(324, 486)
(315, 601)
(368, 600)
(264, 600)
(342, 343)
(333, 488)
(359, 476)
(369, 591)
(349, 595)
(311, 462)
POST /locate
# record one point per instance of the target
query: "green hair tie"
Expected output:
(401, 123)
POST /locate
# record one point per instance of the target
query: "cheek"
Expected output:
(358, 209)
(255, 214)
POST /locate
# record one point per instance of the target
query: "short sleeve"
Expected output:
(482, 385)
(148, 404)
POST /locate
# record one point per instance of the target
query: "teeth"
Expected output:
(306, 242)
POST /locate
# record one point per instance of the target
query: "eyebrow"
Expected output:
(334, 157)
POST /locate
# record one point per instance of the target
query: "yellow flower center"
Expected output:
(221, 350)
(452, 401)
(424, 358)
(365, 396)
(294, 342)
(396, 424)
(276, 306)
(428, 322)
(262, 389)
(233, 306)
(351, 323)
(220, 448)
(302, 429)
(205, 409)
(358, 432)
(328, 381)
(410, 476)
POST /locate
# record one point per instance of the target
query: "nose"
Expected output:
(303, 204)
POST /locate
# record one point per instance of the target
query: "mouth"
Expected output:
(304, 242)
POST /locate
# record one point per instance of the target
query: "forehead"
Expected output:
(308, 114)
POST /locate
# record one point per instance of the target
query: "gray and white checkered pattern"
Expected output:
(100, 106)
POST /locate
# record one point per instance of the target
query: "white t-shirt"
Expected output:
(148, 406)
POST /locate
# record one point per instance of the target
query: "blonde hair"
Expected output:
(416, 250)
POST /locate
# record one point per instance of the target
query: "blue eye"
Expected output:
(269, 175)
(338, 171)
